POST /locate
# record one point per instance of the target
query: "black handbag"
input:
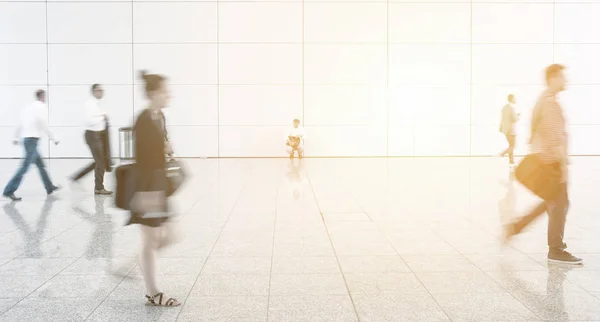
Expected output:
(175, 176)
(544, 180)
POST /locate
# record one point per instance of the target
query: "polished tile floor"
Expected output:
(317, 240)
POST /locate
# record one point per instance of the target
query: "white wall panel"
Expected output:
(92, 22)
(264, 64)
(22, 64)
(344, 105)
(441, 140)
(429, 91)
(400, 140)
(260, 22)
(194, 141)
(488, 101)
(429, 64)
(190, 104)
(513, 23)
(174, 22)
(583, 139)
(252, 141)
(583, 65)
(66, 104)
(7, 148)
(431, 105)
(581, 104)
(22, 22)
(12, 100)
(429, 22)
(181, 63)
(510, 64)
(265, 105)
(399, 110)
(72, 143)
(577, 23)
(487, 140)
(345, 22)
(520, 1)
(364, 1)
(89, 64)
(345, 141)
(577, 1)
(152, 0)
(345, 64)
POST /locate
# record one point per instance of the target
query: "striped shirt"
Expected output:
(548, 129)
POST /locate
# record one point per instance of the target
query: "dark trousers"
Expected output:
(31, 156)
(95, 140)
(557, 215)
(510, 138)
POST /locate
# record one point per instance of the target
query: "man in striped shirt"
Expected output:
(549, 142)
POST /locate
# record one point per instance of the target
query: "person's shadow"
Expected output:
(295, 176)
(32, 238)
(507, 205)
(550, 303)
(100, 244)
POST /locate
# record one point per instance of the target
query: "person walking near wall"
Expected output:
(33, 125)
(549, 143)
(507, 127)
(149, 206)
(96, 137)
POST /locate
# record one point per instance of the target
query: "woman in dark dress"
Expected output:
(150, 206)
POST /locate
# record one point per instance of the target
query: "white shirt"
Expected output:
(34, 122)
(297, 132)
(94, 115)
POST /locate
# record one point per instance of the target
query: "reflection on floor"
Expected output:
(318, 240)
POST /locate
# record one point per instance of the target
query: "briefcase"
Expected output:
(126, 185)
(542, 179)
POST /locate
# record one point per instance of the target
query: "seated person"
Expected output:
(295, 140)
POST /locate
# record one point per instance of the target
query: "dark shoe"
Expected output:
(13, 197)
(103, 192)
(54, 189)
(563, 257)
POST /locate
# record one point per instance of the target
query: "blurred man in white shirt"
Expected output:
(96, 137)
(507, 126)
(294, 142)
(33, 125)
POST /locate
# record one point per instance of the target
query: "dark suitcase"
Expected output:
(540, 178)
(126, 181)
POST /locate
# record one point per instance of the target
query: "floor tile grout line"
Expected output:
(461, 254)
(108, 295)
(337, 259)
(473, 263)
(46, 282)
(273, 250)
(22, 254)
(415, 273)
(213, 247)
